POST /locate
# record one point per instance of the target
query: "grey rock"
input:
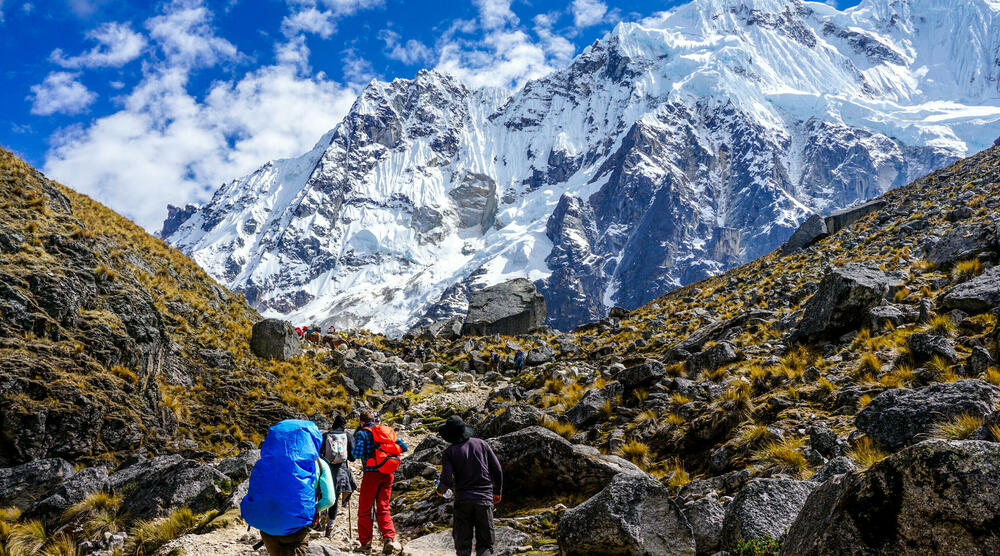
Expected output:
(898, 417)
(539, 355)
(706, 516)
(365, 378)
(320, 549)
(71, 491)
(979, 361)
(506, 542)
(712, 358)
(536, 460)
(843, 218)
(843, 299)
(979, 295)
(238, 468)
(275, 339)
(765, 508)
(833, 468)
(642, 375)
(810, 231)
(826, 441)
(587, 411)
(879, 317)
(961, 242)
(633, 514)
(937, 497)
(925, 346)
(619, 312)
(159, 485)
(24, 484)
(510, 419)
(510, 308)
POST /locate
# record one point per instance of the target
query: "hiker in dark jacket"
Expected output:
(342, 477)
(473, 470)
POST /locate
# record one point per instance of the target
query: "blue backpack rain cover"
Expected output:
(282, 495)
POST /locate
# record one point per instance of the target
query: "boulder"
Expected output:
(510, 308)
(979, 295)
(618, 313)
(506, 541)
(936, 497)
(71, 491)
(959, 243)
(843, 300)
(21, 486)
(764, 508)
(843, 218)
(587, 411)
(633, 514)
(979, 361)
(510, 419)
(536, 460)
(540, 355)
(898, 417)
(925, 346)
(275, 339)
(712, 358)
(834, 468)
(810, 231)
(238, 468)
(879, 317)
(156, 486)
(706, 516)
(639, 376)
(365, 378)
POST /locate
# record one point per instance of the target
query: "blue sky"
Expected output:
(140, 104)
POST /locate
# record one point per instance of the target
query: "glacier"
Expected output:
(670, 150)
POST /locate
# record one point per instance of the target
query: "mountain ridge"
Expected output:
(736, 119)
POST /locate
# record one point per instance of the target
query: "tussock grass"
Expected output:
(992, 376)
(866, 453)
(995, 431)
(637, 452)
(864, 400)
(785, 455)
(957, 428)
(678, 474)
(675, 419)
(942, 325)
(562, 428)
(966, 270)
(680, 399)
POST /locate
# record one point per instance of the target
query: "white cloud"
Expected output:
(588, 12)
(60, 92)
(309, 20)
(1, 11)
(505, 58)
(410, 52)
(117, 45)
(356, 69)
(557, 47)
(348, 7)
(495, 13)
(186, 38)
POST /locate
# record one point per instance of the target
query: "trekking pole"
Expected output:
(349, 537)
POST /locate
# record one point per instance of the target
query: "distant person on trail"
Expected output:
(473, 470)
(289, 486)
(378, 449)
(337, 450)
(495, 362)
(299, 331)
(331, 330)
(519, 360)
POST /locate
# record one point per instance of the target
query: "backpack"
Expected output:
(386, 457)
(281, 498)
(335, 447)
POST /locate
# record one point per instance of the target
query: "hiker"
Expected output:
(519, 361)
(289, 486)
(299, 331)
(470, 467)
(418, 354)
(338, 449)
(378, 449)
(331, 330)
(495, 362)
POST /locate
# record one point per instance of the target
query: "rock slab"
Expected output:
(843, 300)
(506, 541)
(764, 508)
(275, 339)
(510, 308)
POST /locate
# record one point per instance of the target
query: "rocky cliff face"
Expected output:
(666, 152)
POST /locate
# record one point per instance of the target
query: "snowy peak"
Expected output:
(665, 152)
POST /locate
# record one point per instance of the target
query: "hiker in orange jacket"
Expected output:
(378, 449)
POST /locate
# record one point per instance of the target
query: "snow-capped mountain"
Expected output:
(666, 152)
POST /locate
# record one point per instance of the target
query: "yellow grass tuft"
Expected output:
(636, 451)
(785, 455)
(966, 270)
(957, 428)
(866, 453)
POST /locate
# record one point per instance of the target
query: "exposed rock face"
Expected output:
(511, 308)
(69, 492)
(23, 485)
(843, 299)
(937, 497)
(925, 346)
(512, 419)
(169, 482)
(979, 295)
(809, 232)
(843, 218)
(712, 358)
(536, 460)
(706, 516)
(507, 541)
(765, 508)
(275, 339)
(586, 412)
(634, 514)
(901, 416)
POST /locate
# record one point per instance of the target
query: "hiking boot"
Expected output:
(365, 548)
(391, 547)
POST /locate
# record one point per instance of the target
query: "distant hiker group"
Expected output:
(302, 476)
(314, 335)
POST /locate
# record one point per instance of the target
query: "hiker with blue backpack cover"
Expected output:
(289, 485)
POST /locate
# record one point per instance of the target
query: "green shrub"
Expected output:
(758, 547)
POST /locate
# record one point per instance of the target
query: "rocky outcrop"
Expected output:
(275, 339)
(587, 411)
(937, 497)
(979, 295)
(765, 508)
(510, 308)
(706, 516)
(506, 542)
(924, 346)
(156, 486)
(511, 419)
(901, 416)
(843, 299)
(634, 514)
(69, 492)
(843, 218)
(538, 461)
(810, 231)
(24, 484)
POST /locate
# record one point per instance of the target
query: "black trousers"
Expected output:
(473, 519)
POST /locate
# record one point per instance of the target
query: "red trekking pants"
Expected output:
(376, 489)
